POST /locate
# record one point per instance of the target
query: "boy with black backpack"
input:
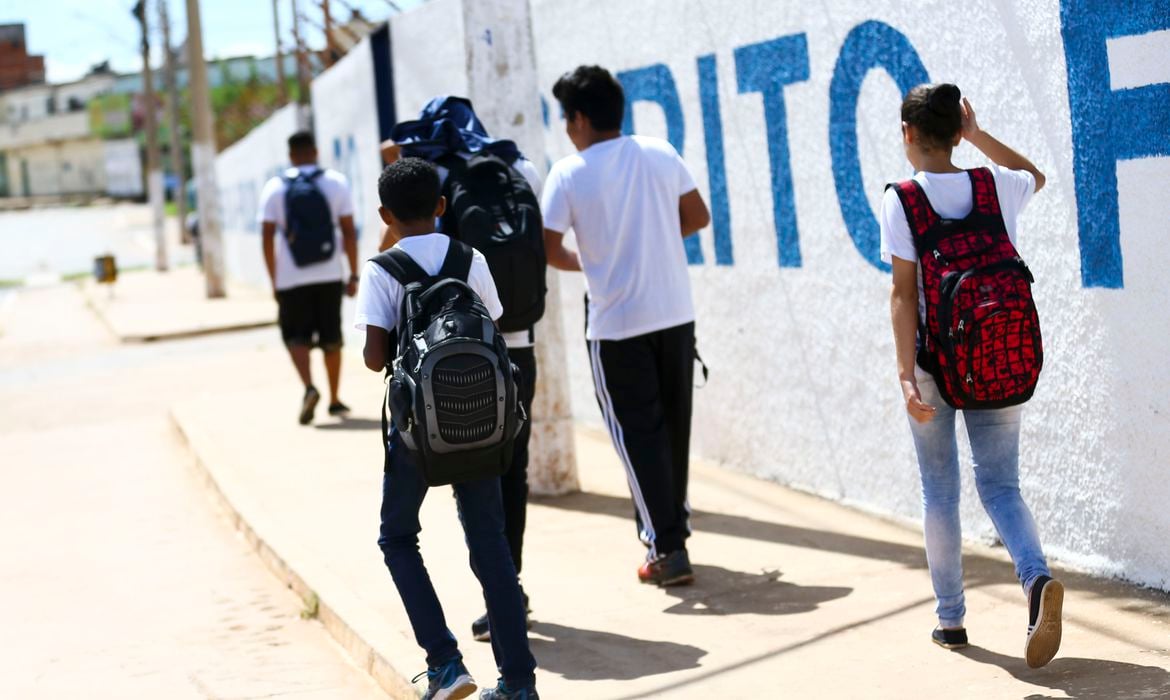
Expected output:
(306, 220)
(427, 307)
(493, 195)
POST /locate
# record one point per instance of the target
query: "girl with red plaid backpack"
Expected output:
(967, 337)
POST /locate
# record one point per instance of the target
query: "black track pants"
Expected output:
(643, 386)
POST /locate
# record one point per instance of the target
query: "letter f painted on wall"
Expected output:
(1108, 125)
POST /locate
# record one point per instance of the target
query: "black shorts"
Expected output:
(311, 315)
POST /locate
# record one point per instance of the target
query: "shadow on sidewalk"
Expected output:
(352, 424)
(750, 528)
(719, 591)
(1081, 679)
(590, 655)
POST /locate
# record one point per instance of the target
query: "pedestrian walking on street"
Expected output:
(306, 220)
(481, 174)
(967, 339)
(631, 200)
(411, 201)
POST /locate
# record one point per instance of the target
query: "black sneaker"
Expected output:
(1044, 627)
(309, 404)
(481, 629)
(672, 569)
(338, 409)
(949, 638)
(503, 692)
(447, 682)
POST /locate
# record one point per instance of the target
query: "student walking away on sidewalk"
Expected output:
(967, 338)
(306, 219)
(481, 174)
(411, 200)
(630, 200)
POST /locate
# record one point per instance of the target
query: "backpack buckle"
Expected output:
(939, 257)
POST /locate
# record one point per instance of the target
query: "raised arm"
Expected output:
(993, 148)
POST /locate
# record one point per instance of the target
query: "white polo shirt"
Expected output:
(621, 199)
(336, 190)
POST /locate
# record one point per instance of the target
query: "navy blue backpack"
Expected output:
(308, 220)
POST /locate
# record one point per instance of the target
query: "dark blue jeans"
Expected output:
(481, 512)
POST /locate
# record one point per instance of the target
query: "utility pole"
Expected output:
(503, 84)
(178, 162)
(331, 51)
(203, 156)
(154, 176)
(302, 59)
(281, 85)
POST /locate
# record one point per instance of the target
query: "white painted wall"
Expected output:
(345, 122)
(241, 171)
(803, 387)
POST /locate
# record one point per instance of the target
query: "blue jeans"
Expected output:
(995, 447)
(481, 512)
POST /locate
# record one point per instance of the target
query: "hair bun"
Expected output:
(944, 99)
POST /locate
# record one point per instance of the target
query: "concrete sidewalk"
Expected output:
(144, 306)
(796, 596)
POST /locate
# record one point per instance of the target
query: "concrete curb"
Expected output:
(367, 658)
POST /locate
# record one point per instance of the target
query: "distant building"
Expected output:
(49, 145)
(17, 68)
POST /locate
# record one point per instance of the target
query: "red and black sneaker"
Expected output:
(670, 569)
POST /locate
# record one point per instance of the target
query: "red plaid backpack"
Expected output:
(982, 336)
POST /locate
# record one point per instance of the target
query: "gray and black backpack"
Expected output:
(452, 389)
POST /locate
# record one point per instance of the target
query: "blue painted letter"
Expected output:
(716, 169)
(656, 84)
(766, 68)
(869, 45)
(1108, 125)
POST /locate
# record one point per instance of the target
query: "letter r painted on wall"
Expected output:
(1108, 125)
(656, 84)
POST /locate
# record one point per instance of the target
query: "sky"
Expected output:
(75, 34)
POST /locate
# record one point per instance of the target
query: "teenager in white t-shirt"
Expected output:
(411, 201)
(934, 121)
(309, 296)
(630, 200)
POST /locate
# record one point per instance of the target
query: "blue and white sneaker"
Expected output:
(502, 692)
(447, 682)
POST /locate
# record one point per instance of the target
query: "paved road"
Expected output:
(64, 240)
(119, 579)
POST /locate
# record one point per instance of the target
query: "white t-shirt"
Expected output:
(620, 197)
(380, 295)
(336, 190)
(514, 339)
(950, 195)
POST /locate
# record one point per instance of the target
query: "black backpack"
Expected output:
(452, 391)
(308, 220)
(492, 208)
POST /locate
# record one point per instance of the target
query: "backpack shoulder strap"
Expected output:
(919, 214)
(984, 196)
(457, 264)
(401, 266)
